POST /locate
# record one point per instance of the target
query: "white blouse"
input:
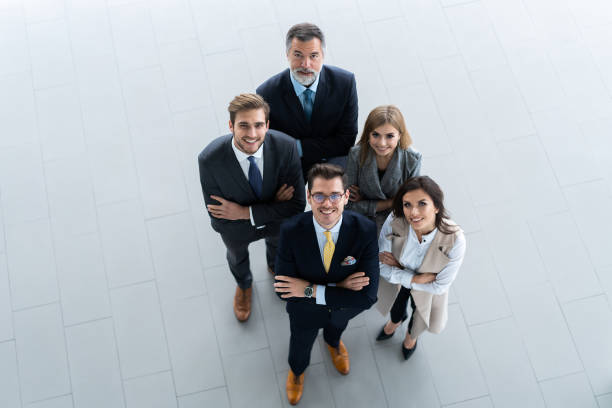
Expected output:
(412, 257)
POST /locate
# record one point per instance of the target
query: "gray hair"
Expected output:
(304, 32)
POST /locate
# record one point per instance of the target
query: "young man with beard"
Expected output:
(327, 270)
(251, 180)
(314, 103)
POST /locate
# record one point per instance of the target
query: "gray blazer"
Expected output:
(403, 165)
(221, 175)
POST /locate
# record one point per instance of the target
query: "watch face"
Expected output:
(308, 291)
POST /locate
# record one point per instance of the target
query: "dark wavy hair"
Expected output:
(432, 189)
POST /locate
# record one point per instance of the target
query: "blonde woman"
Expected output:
(380, 162)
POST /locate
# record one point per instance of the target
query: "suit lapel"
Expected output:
(345, 239)
(320, 96)
(235, 171)
(270, 169)
(371, 168)
(311, 244)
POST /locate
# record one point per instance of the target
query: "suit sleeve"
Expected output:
(264, 213)
(366, 207)
(337, 297)
(345, 133)
(285, 263)
(209, 184)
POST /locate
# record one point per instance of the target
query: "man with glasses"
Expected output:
(326, 270)
(314, 103)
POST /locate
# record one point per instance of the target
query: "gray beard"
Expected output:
(303, 80)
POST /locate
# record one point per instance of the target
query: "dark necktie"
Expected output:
(255, 179)
(308, 103)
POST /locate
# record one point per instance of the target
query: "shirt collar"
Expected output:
(319, 229)
(425, 238)
(240, 155)
(299, 88)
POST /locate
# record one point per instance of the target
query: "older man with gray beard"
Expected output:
(314, 103)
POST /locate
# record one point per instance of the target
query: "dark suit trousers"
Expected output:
(238, 252)
(305, 326)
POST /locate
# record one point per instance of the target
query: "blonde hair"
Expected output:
(379, 116)
(245, 102)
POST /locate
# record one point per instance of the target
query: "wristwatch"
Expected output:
(308, 291)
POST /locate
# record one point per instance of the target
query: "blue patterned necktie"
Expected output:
(255, 179)
(308, 103)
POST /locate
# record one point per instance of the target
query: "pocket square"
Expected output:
(349, 260)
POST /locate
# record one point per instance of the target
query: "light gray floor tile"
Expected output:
(362, 386)
(571, 391)
(511, 22)
(211, 245)
(212, 398)
(553, 21)
(605, 277)
(160, 178)
(248, 15)
(317, 389)
(33, 278)
(71, 200)
(502, 102)
(595, 133)
(407, 70)
(484, 402)
(17, 110)
(185, 75)
(172, 21)
(90, 31)
(428, 19)
(61, 129)
(124, 242)
(596, 13)
(139, 329)
(58, 402)
(146, 98)
(82, 280)
(234, 337)
(176, 259)
(544, 331)
(406, 383)
(14, 45)
(50, 54)
(605, 401)
(209, 25)
(590, 211)
(6, 311)
(94, 365)
(567, 261)
(113, 173)
(506, 365)
(9, 378)
(263, 62)
(453, 362)
(153, 391)
(194, 352)
(589, 321)
(251, 380)
(22, 182)
(39, 10)
(371, 10)
(598, 40)
(475, 36)
(288, 12)
(41, 351)
(422, 118)
(481, 294)
(133, 35)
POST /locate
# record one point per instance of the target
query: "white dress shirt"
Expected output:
(412, 258)
(322, 240)
(243, 160)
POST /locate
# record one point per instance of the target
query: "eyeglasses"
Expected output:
(319, 198)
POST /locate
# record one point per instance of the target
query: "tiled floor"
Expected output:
(114, 291)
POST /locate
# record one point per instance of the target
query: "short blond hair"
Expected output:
(245, 102)
(379, 116)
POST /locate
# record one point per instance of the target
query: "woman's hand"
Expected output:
(423, 277)
(388, 259)
(355, 195)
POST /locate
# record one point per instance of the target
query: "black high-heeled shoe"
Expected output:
(408, 352)
(384, 336)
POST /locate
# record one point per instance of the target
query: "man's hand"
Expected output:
(284, 193)
(355, 281)
(290, 287)
(228, 210)
(423, 277)
(355, 194)
(388, 259)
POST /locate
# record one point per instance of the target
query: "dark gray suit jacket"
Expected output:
(221, 175)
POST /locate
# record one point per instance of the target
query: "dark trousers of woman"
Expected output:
(398, 310)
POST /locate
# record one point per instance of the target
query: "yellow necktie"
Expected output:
(328, 250)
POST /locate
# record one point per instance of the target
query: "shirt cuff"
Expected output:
(320, 295)
(299, 147)
(253, 219)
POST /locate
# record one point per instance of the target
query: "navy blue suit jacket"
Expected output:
(299, 256)
(332, 129)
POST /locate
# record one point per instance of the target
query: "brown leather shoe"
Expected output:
(242, 303)
(295, 387)
(340, 358)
